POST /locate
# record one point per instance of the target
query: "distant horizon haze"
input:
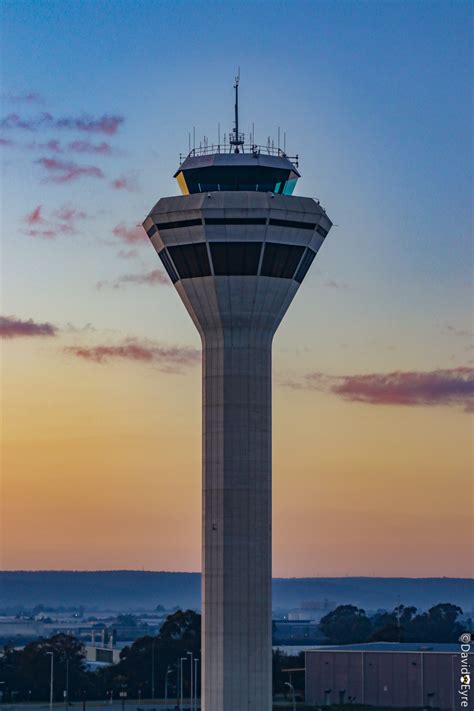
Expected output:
(136, 589)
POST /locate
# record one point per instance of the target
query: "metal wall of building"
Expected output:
(383, 678)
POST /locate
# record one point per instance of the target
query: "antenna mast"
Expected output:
(236, 138)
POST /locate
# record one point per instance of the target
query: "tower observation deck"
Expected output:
(237, 245)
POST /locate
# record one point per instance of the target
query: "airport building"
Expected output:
(386, 674)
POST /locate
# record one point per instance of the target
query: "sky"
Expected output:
(373, 364)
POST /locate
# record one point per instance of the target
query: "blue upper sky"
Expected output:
(374, 96)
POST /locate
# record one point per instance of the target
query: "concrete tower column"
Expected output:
(236, 536)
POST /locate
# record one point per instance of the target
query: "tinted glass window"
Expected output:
(215, 177)
(280, 260)
(235, 258)
(322, 231)
(236, 220)
(305, 264)
(179, 223)
(289, 186)
(191, 260)
(293, 223)
(152, 231)
(168, 265)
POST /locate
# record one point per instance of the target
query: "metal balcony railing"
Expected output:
(247, 148)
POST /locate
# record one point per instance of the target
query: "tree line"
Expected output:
(348, 624)
(146, 664)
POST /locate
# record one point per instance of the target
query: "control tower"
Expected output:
(237, 244)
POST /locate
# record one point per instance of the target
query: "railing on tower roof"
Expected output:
(245, 148)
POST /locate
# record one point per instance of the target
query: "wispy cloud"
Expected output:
(451, 387)
(58, 222)
(103, 148)
(332, 284)
(125, 183)
(67, 171)
(168, 358)
(34, 217)
(12, 327)
(28, 98)
(106, 124)
(130, 235)
(152, 278)
(7, 143)
(69, 214)
(127, 253)
(449, 330)
(83, 147)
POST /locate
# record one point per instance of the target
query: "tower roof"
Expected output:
(256, 157)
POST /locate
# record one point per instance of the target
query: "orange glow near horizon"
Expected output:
(101, 470)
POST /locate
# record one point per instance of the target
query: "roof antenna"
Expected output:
(236, 140)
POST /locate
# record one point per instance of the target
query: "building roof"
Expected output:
(234, 160)
(425, 647)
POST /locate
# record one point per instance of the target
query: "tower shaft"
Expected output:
(236, 536)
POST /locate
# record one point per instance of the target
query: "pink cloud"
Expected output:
(150, 278)
(451, 387)
(59, 222)
(12, 327)
(6, 142)
(70, 214)
(108, 125)
(34, 217)
(103, 148)
(130, 235)
(127, 253)
(44, 234)
(169, 358)
(68, 171)
(53, 145)
(84, 146)
(125, 183)
(30, 98)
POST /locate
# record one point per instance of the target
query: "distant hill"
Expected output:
(136, 589)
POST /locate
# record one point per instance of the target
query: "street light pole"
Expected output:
(196, 661)
(2, 683)
(191, 695)
(153, 669)
(287, 683)
(67, 684)
(168, 671)
(183, 659)
(51, 679)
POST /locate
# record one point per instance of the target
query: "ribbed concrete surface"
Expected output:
(236, 591)
(238, 317)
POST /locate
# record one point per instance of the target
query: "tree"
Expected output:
(27, 671)
(183, 628)
(437, 625)
(345, 625)
(391, 626)
(147, 660)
